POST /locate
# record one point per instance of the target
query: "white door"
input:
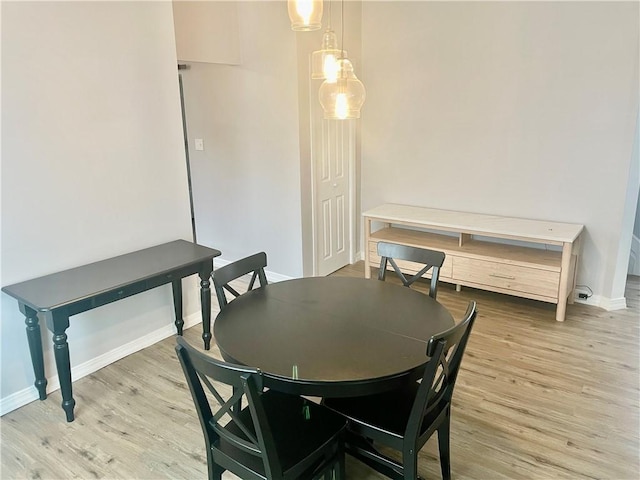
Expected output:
(333, 156)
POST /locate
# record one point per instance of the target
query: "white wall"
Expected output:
(629, 254)
(513, 108)
(92, 166)
(207, 31)
(636, 225)
(246, 182)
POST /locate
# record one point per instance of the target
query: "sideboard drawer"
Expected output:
(505, 276)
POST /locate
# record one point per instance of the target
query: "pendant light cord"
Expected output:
(342, 27)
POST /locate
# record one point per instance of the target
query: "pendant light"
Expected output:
(324, 62)
(342, 99)
(305, 15)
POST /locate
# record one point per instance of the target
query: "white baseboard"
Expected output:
(19, 399)
(272, 277)
(608, 304)
(29, 394)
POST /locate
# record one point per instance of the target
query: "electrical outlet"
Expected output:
(199, 143)
(582, 293)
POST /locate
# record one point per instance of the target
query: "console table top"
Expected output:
(476, 223)
(61, 288)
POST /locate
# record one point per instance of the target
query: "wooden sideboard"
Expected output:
(475, 254)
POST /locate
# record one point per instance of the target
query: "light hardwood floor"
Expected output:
(535, 399)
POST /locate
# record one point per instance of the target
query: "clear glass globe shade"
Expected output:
(324, 62)
(344, 98)
(305, 15)
(325, 65)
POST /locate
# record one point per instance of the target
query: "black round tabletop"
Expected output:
(330, 336)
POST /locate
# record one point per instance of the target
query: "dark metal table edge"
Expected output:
(332, 388)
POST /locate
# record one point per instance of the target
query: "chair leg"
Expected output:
(332, 473)
(338, 470)
(342, 472)
(410, 465)
(215, 471)
(443, 447)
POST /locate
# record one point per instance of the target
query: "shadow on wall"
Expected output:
(634, 256)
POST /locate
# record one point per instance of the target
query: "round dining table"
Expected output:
(331, 336)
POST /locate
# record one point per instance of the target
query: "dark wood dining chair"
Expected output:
(254, 264)
(276, 436)
(404, 419)
(431, 259)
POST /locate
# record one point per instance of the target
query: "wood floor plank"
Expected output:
(535, 399)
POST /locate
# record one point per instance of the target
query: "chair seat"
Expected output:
(278, 436)
(405, 418)
(388, 411)
(296, 437)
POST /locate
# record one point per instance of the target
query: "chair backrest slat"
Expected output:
(431, 259)
(254, 264)
(445, 351)
(204, 371)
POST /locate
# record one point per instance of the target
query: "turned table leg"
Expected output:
(176, 286)
(205, 300)
(35, 348)
(58, 322)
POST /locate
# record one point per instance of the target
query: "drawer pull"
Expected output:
(506, 277)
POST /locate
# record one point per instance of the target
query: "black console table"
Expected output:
(61, 295)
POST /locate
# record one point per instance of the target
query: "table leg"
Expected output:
(35, 348)
(177, 303)
(563, 291)
(367, 259)
(577, 246)
(205, 300)
(58, 322)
